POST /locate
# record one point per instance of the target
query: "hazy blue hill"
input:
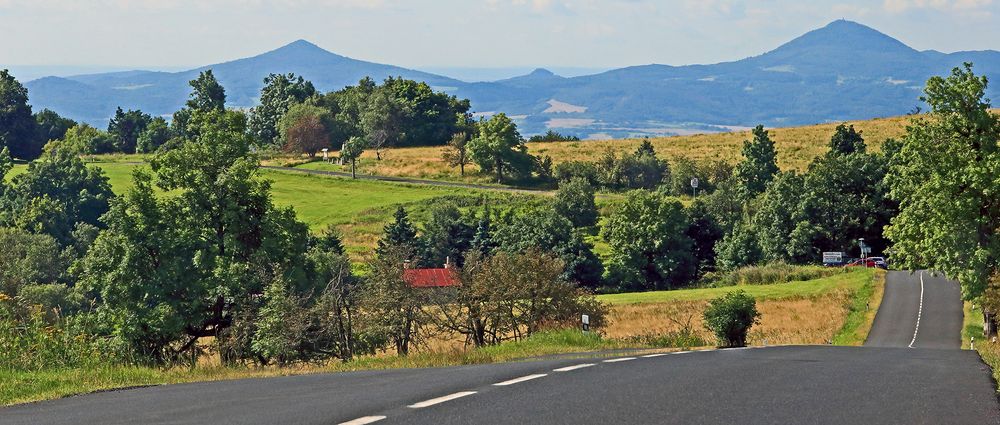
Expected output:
(161, 93)
(843, 71)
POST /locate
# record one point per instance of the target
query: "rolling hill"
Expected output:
(843, 71)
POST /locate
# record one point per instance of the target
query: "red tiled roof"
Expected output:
(430, 278)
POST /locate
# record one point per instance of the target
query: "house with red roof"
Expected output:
(431, 278)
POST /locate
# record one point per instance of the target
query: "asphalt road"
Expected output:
(801, 384)
(919, 310)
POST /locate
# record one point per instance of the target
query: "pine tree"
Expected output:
(646, 149)
(482, 240)
(399, 233)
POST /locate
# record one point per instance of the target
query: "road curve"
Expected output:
(919, 310)
(803, 384)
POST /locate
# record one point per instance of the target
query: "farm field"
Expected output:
(358, 208)
(814, 311)
(796, 146)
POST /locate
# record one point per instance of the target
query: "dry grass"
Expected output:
(797, 146)
(801, 320)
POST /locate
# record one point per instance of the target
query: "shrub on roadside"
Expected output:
(730, 318)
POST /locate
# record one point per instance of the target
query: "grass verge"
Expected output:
(972, 327)
(28, 386)
(865, 302)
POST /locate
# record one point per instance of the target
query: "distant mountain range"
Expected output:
(843, 71)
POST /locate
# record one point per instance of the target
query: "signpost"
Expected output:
(694, 186)
(585, 319)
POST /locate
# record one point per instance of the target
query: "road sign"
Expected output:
(694, 182)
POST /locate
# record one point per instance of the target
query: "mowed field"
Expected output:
(358, 208)
(797, 146)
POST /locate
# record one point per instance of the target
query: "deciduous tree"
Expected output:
(17, 125)
(650, 248)
(945, 179)
(280, 92)
(498, 148)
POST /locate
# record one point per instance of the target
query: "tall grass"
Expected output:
(31, 340)
(767, 274)
(989, 351)
(865, 302)
(17, 386)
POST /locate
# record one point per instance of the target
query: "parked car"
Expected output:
(868, 262)
(880, 262)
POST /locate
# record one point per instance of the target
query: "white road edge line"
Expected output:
(920, 311)
(569, 368)
(364, 420)
(439, 400)
(521, 379)
(623, 359)
(649, 356)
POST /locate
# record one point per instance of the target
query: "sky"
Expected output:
(463, 33)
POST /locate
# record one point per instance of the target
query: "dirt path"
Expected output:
(411, 180)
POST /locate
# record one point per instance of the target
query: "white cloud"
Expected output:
(898, 6)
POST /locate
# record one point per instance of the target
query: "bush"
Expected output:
(730, 318)
(575, 201)
(767, 274)
(569, 170)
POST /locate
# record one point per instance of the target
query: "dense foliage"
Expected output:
(730, 318)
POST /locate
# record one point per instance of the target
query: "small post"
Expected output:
(694, 187)
(585, 320)
(972, 343)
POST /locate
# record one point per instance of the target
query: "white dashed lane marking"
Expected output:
(519, 380)
(920, 311)
(363, 421)
(569, 368)
(623, 359)
(649, 356)
(440, 400)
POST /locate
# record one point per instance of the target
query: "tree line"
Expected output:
(291, 116)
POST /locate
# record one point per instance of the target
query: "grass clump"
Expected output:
(768, 274)
(683, 339)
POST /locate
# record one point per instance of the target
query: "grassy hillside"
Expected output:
(358, 208)
(797, 146)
